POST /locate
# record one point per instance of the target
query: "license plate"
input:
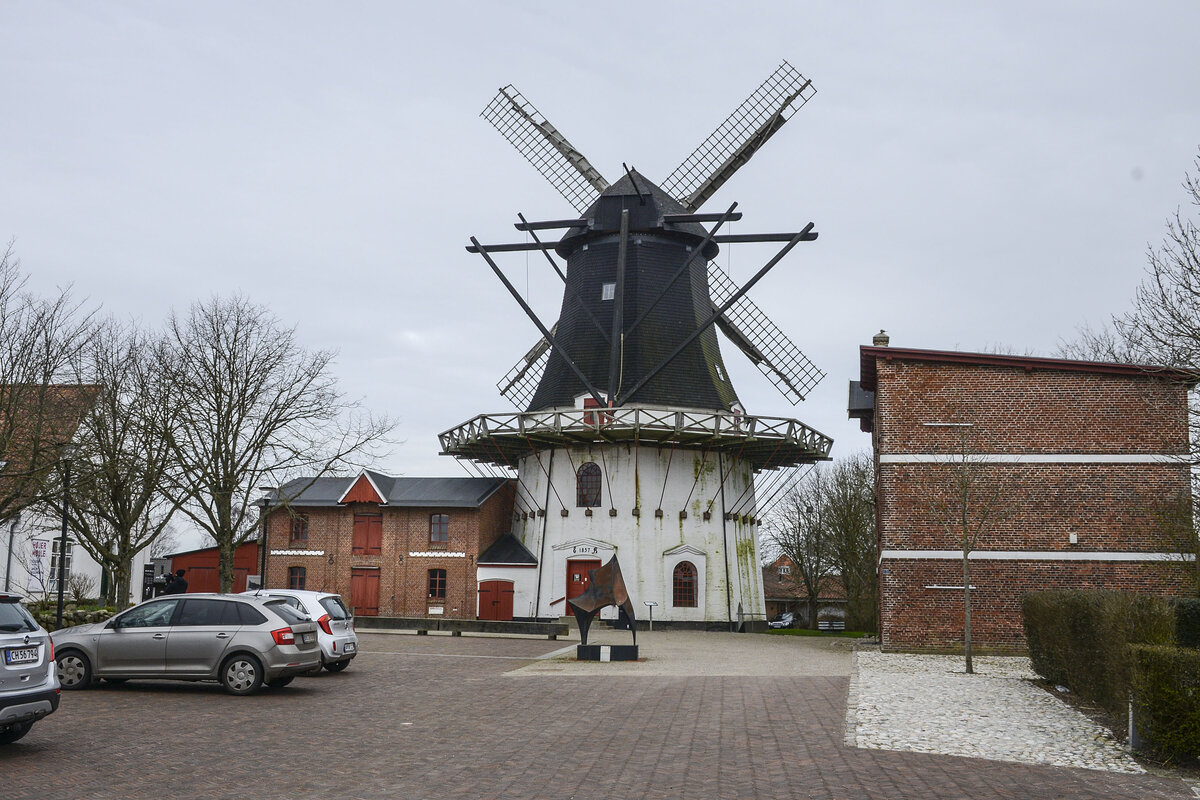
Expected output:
(24, 655)
(307, 637)
(349, 647)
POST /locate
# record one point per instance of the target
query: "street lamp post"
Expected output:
(62, 542)
(262, 504)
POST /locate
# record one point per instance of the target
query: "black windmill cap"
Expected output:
(647, 205)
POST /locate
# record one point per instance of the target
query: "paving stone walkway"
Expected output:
(928, 704)
(431, 717)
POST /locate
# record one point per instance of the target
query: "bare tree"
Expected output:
(969, 508)
(797, 529)
(850, 519)
(1163, 329)
(255, 409)
(41, 396)
(118, 498)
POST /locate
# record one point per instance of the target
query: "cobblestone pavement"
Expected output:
(928, 704)
(439, 717)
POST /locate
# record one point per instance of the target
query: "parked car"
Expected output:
(783, 620)
(339, 642)
(240, 641)
(28, 684)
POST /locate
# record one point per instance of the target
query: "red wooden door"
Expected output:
(496, 600)
(578, 580)
(364, 591)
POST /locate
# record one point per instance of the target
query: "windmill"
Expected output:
(625, 403)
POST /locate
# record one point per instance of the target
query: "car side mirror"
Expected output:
(112, 624)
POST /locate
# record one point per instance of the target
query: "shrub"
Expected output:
(1080, 639)
(1187, 621)
(1166, 699)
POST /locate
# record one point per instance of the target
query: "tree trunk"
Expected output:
(967, 610)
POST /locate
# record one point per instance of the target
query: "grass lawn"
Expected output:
(808, 632)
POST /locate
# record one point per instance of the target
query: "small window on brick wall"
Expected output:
(296, 577)
(439, 530)
(437, 584)
(300, 528)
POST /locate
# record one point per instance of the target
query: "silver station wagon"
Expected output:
(240, 641)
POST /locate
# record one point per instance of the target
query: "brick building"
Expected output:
(783, 589)
(403, 547)
(1072, 467)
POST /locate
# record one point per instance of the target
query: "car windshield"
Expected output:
(288, 614)
(14, 618)
(335, 608)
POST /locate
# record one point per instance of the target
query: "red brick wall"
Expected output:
(403, 579)
(914, 617)
(1029, 506)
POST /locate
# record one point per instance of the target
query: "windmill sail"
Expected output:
(739, 137)
(520, 382)
(544, 147)
(767, 347)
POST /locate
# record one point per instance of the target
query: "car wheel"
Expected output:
(241, 674)
(74, 671)
(337, 666)
(13, 732)
(279, 683)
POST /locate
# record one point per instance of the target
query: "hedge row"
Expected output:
(1187, 621)
(1080, 639)
(1166, 699)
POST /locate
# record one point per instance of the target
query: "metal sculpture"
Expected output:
(606, 587)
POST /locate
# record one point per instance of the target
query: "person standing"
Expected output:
(176, 584)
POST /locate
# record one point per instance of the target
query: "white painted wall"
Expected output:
(524, 581)
(725, 552)
(25, 568)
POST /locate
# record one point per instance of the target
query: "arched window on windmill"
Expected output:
(587, 485)
(683, 585)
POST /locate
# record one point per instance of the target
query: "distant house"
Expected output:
(783, 589)
(31, 453)
(399, 546)
(1076, 464)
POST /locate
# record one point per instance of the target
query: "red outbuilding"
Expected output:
(200, 567)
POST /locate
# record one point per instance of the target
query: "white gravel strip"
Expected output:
(928, 704)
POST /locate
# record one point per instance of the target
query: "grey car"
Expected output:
(241, 642)
(28, 683)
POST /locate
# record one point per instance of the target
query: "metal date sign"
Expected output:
(585, 550)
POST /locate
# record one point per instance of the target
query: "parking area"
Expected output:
(475, 717)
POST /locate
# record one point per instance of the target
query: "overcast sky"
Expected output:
(981, 175)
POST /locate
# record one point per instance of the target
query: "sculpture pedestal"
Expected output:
(605, 652)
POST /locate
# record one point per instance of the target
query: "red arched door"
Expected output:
(496, 600)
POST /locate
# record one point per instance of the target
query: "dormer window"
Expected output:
(608, 291)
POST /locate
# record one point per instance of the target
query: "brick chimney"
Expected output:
(880, 339)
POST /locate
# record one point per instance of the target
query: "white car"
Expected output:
(335, 622)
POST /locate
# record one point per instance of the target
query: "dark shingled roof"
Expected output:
(506, 550)
(696, 377)
(411, 492)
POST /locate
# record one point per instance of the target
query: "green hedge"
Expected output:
(1187, 621)
(1080, 639)
(1166, 699)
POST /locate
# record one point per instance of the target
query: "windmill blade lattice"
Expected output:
(767, 347)
(519, 383)
(544, 147)
(739, 137)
